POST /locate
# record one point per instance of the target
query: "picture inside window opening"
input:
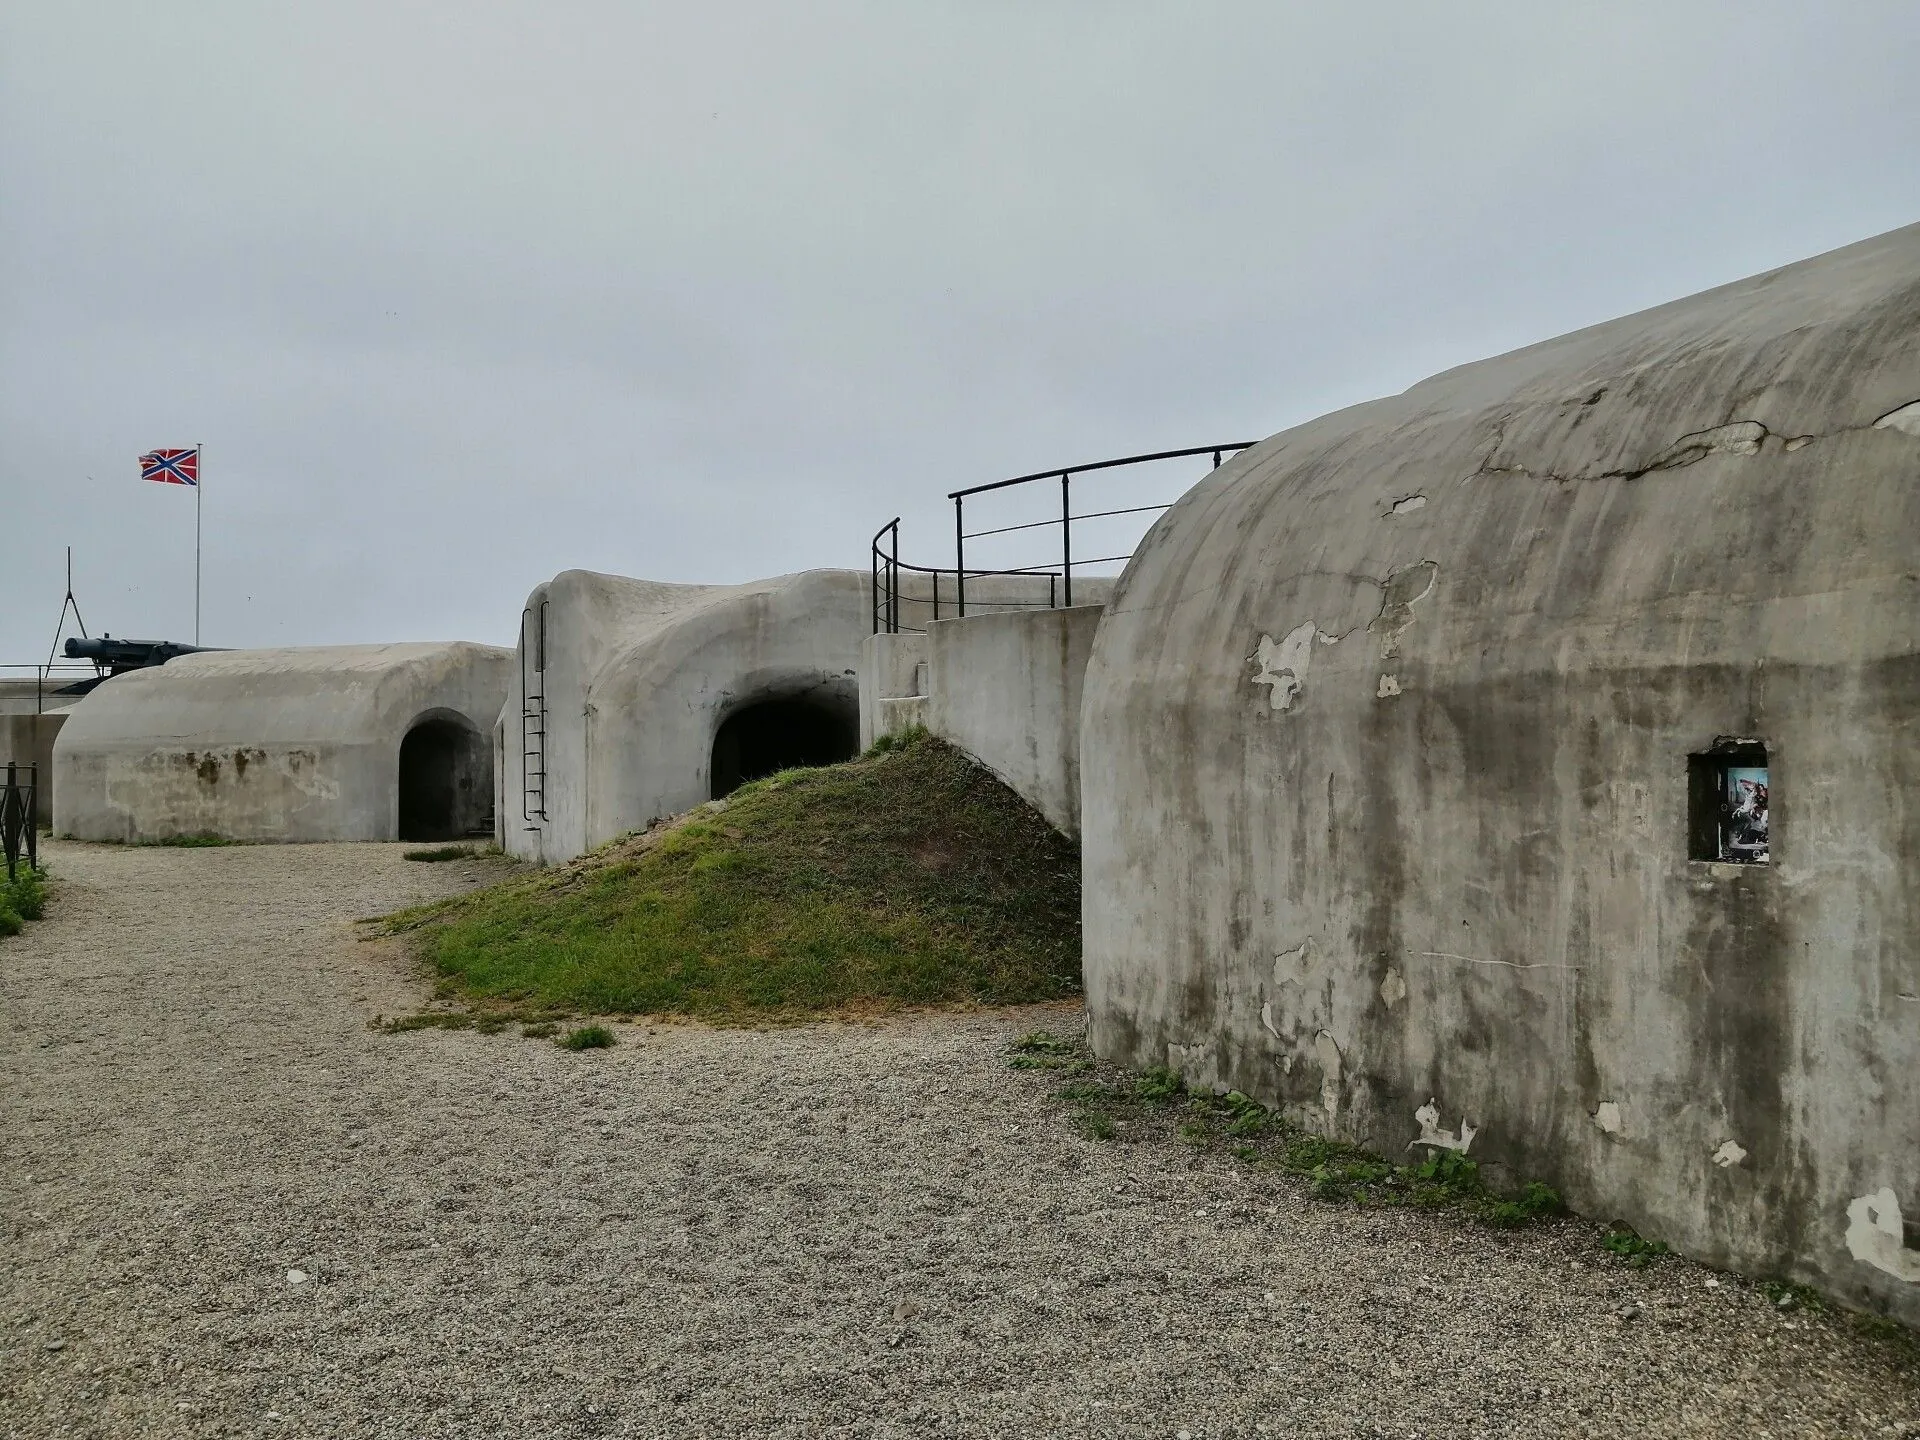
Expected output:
(1729, 814)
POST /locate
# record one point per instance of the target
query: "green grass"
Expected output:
(909, 876)
(440, 853)
(1114, 1105)
(588, 1037)
(200, 839)
(905, 740)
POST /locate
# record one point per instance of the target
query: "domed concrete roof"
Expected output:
(1392, 740)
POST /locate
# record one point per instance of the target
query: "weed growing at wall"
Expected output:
(910, 876)
(1114, 1105)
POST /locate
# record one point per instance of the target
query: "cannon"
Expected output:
(115, 657)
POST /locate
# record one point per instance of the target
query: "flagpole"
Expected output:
(199, 479)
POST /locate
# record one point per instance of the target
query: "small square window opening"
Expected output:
(1727, 811)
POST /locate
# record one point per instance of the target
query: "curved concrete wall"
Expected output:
(637, 678)
(291, 744)
(1386, 745)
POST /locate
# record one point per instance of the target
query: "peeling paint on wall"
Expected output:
(1906, 420)
(1290, 966)
(1393, 989)
(1389, 685)
(1729, 1154)
(1610, 1118)
(1408, 505)
(1431, 1134)
(1875, 1236)
(1283, 663)
(1266, 1019)
(1405, 588)
(1329, 1056)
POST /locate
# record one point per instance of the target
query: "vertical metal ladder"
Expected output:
(533, 716)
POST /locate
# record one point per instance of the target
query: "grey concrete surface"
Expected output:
(865, 1229)
(893, 685)
(1386, 759)
(634, 681)
(1006, 689)
(30, 720)
(298, 744)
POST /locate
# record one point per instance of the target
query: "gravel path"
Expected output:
(848, 1229)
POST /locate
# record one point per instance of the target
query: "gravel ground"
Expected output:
(845, 1229)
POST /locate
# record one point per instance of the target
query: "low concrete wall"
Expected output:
(1006, 689)
(893, 685)
(29, 721)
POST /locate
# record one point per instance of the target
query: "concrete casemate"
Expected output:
(347, 742)
(1525, 765)
(635, 699)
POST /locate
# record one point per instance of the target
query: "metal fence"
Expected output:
(20, 817)
(895, 580)
(50, 679)
(936, 592)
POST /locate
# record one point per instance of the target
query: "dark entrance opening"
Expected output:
(779, 735)
(446, 781)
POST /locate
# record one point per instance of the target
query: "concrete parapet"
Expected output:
(1006, 689)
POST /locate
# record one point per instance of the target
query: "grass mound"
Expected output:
(906, 877)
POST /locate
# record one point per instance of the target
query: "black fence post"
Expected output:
(33, 816)
(1066, 538)
(10, 808)
(959, 557)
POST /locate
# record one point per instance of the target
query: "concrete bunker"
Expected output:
(781, 732)
(445, 781)
(342, 742)
(634, 699)
(1568, 816)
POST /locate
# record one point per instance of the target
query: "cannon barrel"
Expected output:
(118, 655)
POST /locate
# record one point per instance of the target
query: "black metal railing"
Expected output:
(51, 681)
(1066, 517)
(893, 578)
(20, 817)
(925, 589)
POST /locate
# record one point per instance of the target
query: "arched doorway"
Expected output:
(780, 734)
(446, 780)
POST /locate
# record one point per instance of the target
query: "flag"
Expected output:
(171, 467)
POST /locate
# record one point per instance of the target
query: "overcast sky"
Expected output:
(460, 295)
